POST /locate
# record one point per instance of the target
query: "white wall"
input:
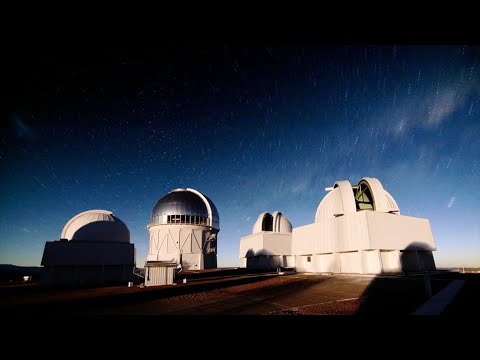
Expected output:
(390, 260)
(289, 261)
(277, 243)
(167, 242)
(313, 238)
(326, 262)
(371, 262)
(352, 232)
(303, 265)
(344, 233)
(192, 261)
(164, 257)
(267, 242)
(388, 231)
(362, 230)
(252, 243)
(176, 238)
(316, 263)
(350, 262)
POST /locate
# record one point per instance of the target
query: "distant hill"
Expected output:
(16, 273)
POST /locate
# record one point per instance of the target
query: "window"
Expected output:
(187, 219)
(309, 259)
(363, 197)
(267, 222)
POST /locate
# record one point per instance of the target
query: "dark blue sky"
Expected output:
(255, 128)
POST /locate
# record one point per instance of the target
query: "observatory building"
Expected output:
(94, 247)
(183, 230)
(357, 229)
(270, 244)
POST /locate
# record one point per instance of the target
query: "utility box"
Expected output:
(159, 273)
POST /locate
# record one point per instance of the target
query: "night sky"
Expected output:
(255, 128)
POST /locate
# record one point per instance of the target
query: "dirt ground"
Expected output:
(251, 294)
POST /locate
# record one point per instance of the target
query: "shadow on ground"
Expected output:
(404, 294)
(241, 291)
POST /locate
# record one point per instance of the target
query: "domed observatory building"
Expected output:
(94, 248)
(359, 229)
(183, 230)
(269, 245)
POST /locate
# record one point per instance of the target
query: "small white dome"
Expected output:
(96, 225)
(275, 223)
(257, 227)
(281, 223)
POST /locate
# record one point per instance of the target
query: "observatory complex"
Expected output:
(357, 229)
(183, 230)
(94, 247)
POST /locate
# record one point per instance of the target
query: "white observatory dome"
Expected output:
(344, 198)
(96, 225)
(275, 223)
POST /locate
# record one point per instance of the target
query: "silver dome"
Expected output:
(187, 202)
